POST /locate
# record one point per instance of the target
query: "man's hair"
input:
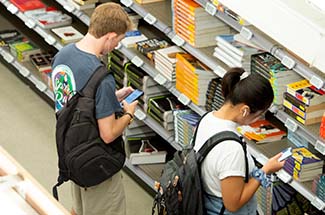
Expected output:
(109, 17)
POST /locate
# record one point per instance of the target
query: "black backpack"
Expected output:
(84, 158)
(180, 191)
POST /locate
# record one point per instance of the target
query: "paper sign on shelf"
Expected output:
(178, 40)
(318, 203)
(137, 61)
(320, 146)
(127, 3)
(150, 19)
(50, 40)
(288, 62)
(140, 114)
(8, 57)
(291, 125)
(246, 33)
(30, 23)
(184, 99)
(41, 86)
(160, 79)
(317, 82)
(210, 8)
(68, 7)
(284, 176)
(24, 72)
(13, 9)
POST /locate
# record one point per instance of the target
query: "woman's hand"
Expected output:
(273, 165)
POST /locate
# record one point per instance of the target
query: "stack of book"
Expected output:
(304, 102)
(84, 4)
(214, 97)
(195, 25)
(165, 61)
(67, 34)
(138, 128)
(23, 50)
(303, 165)
(264, 199)
(234, 53)
(185, 124)
(192, 78)
(42, 62)
(272, 69)
(319, 187)
(132, 37)
(147, 47)
(10, 36)
(261, 131)
(161, 109)
(116, 61)
(50, 18)
(28, 5)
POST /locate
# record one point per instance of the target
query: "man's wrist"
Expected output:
(130, 115)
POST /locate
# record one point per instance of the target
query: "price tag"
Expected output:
(137, 61)
(274, 108)
(317, 82)
(140, 114)
(246, 33)
(178, 40)
(8, 57)
(127, 3)
(288, 62)
(50, 40)
(210, 9)
(85, 19)
(320, 146)
(291, 125)
(160, 79)
(69, 8)
(219, 71)
(41, 86)
(150, 19)
(284, 176)
(13, 9)
(30, 23)
(318, 203)
(24, 72)
(184, 99)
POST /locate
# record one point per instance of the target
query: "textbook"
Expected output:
(67, 34)
(28, 5)
(10, 36)
(261, 131)
(51, 19)
(22, 50)
(42, 61)
(147, 47)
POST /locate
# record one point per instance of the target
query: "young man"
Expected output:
(72, 67)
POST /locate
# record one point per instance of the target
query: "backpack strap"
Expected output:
(90, 88)
(218, 138)
(197, 128)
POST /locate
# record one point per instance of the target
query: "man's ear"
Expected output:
(111, 35)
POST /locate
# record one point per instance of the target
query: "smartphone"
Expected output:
(285, 154)
(136, 94)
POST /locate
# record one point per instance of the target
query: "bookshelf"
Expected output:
(159, 16)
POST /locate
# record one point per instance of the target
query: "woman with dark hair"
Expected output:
(247, 97)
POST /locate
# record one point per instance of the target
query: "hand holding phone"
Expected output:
(136, 94)
(285, 154)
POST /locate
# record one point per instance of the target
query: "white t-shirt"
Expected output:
(225, 159)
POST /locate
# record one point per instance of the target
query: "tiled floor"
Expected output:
(27, 133)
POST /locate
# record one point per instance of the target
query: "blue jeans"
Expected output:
(214, 204)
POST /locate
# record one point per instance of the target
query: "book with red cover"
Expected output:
(26, 5)
(262, 131)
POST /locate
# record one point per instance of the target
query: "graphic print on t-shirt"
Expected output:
(63, 84)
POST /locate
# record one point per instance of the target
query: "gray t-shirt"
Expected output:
(72, 68)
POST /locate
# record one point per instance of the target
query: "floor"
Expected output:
(27, 133)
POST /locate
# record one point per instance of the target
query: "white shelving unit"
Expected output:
(214, 64)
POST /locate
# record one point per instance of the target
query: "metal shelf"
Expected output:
(168, 136)
(168, 31)
(32, 24)
(253, 35)
(68, 6)
(25, 72)
(265, 151)
(144, 64)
